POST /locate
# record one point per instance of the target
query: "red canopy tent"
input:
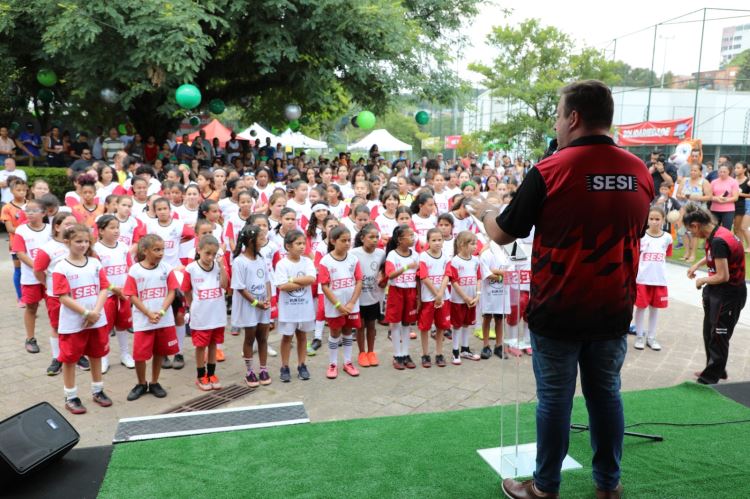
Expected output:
(214, 129)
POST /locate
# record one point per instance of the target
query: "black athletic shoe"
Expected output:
(137, 392)
(486, 353)
(83, 363)
(75, 406)
(31, 345)
(156, 390)
(440, 361)
(54, 368)
(316, 344)
(178, 362)
(102, 399)
(285, 376)
(499, 351)
(426, 361)
(303, 373)
(166, 363)
(408, 363)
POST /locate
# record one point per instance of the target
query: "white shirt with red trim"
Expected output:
(138, 208)
(47, 258)
(172, 235)
(442, 202)
(370, 265)
(151, 286)
(495, 298)
(295, 306)
(187, 215)
(232, 226)
(338, 210)
(395, 262)
(432, 269)
(386, 225)
(341, 277)
(83, 283)
(448, 247)
(228, 208)
(281, 252)
(422, 225)
(207, 310)
(29, 241)
(116, 261)
(652, 267)
(463, 273)
(128, 230)
(264, 193)
(460, 225)
(301, 209)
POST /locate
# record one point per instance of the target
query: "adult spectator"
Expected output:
(112, 145)
(713, 174)
(183, 151)
(441, 161)
(10, 171)
(136, 147)
(724, 193)
(7, 145)
(267, 151)
(207, 147)
(29, 142)
(233, 148)
(280, 152)
(54, 148)
(662, 171)
(97, 150)
(77, 147)
(81, 164)
(592, 252)
(724, 291)
(119, 161)
(150, 150)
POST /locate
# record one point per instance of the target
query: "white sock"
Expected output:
(97, 387)
(640, 314)
(347, 348)
(319, 325)
(465, 334)
(333, 350)
(396, 339)
(456, 338)
(653, 314)
(70, 393)
(405, 339)
(180, 336)
(54, 344)
(122, 340)
(248, 363)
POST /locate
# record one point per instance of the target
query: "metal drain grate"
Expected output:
(212, 400)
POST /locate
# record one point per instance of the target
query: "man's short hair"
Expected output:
(727, 157)
(592, 100)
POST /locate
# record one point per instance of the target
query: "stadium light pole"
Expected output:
(651, 76)
(698, 76)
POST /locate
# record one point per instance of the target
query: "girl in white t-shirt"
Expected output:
(234, 223)
(463, 271)
(433, 308)
(423, 215)
(386, 221)
(288, 224)
(370, 258)
(299, 203)
(275, 205)
(320, 251)
(81, 284)
(494, 302)
(251, 300)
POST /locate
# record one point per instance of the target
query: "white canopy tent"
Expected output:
(260, 133)
(385, 141)
(301, 141)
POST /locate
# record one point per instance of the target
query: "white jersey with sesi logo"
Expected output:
(432, 269)
(46, 259)
(463, 273)
(116, 261)
(298, 305)
(208, 306)
(83, 283)
(341, 277)
(172, 235)
(29, 241)
(128, 229)
(151, 286)
(370, 265)
(394, 262)
(652, 269)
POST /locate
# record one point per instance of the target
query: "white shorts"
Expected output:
(289, 328)
(251, 316)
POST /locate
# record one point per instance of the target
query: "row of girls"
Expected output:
(164, 240)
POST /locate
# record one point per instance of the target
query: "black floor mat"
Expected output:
(739, 392)
(78, 474)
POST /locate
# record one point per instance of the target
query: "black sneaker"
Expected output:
(303, 373)
(440, 361)
(499, 351)
(178, 362)
(54, 368)
(83, 363)
(398, 363)
(316, 344)
(137, 391)
(112, 333)
(408, 363)
(102, 399)
(448, 335)
(166, 362)
(426, 361)
(75, 406)
(31, 345)
(486, 353)
(285, 376)
(156, 390)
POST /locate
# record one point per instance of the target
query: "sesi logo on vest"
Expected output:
(604, 182)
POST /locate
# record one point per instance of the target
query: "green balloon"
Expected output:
(195, 121)
(294, 125)
(46, 77)
(366, 120)
(188, 96)
(45, 95)
(216, 106)
(422, 117)
(122, 128)
(274, 130)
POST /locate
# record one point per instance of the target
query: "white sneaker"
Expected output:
(456, 360)
(639, 343)
(127, 360)
(272, 352)
(468, 354)
(105, 364)
(653, 344)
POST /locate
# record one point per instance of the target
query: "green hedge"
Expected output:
(55, 177)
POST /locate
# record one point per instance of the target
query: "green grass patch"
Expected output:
(434, 455)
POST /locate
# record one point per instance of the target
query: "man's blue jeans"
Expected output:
(555, 368)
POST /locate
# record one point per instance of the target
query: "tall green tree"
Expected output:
(743, 73)
(534, 62)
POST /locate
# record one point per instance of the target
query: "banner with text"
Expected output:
(452, 141)
(654, 132)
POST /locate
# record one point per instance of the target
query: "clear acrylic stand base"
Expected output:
(509, 464)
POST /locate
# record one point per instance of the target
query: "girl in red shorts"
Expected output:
(465, 277)
(340, 278)
(115, 256)
(433, 291)
(80, 282)
(151, 286)
(400, 270)
(203, 284)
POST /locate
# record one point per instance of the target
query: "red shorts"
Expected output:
(462, 315)
(428, 315)
(206, 337)
(651, 296)
(344, 321)
(401, 305)
(53, 310)
(32, 293)
(162, 341)
(320, 314)
(92, 342)
(523, 302)
(119, 313)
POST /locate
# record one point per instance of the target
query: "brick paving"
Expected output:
(379, 391)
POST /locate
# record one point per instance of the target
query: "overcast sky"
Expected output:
(597, 23)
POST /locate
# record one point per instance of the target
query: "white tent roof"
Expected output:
(385, 141)
(260, 133)
(300, 140)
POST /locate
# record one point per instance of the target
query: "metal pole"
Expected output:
(698, 77)
(614, 50)
(651, 84)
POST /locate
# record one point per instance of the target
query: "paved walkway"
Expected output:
(379, 391)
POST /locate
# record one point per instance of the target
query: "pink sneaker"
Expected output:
(350, 369)
(332, 372)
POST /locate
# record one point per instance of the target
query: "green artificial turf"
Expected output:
(434, 455)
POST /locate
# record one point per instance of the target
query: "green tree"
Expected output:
(634, 77)
(255, 54)
(743, 74)
(534, 62)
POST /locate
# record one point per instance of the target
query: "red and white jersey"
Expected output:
(72, 198)
(295, 306)
(386, 225)
(278, 240)
(208, 306)
(47, 258)
(116, 261)
(341, 277)
(448, 247)
(29, 241)
(376, 208)
(113, 188)
(228, 208)
(317, 244)
(394, 262)
(130, 230)
(151, 286)
(172, 234)
(460, 225)
(463, 273)
(264, 193)
(652, 268)
(139, 208)
(370, 265)
(422, 225)
(442, 202)
(83, 283)
(432, 269)
(232, 227)
(267, 252)
(338, 210)
(302, 210)
(186, 214)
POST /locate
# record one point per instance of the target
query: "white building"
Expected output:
(734, 40)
